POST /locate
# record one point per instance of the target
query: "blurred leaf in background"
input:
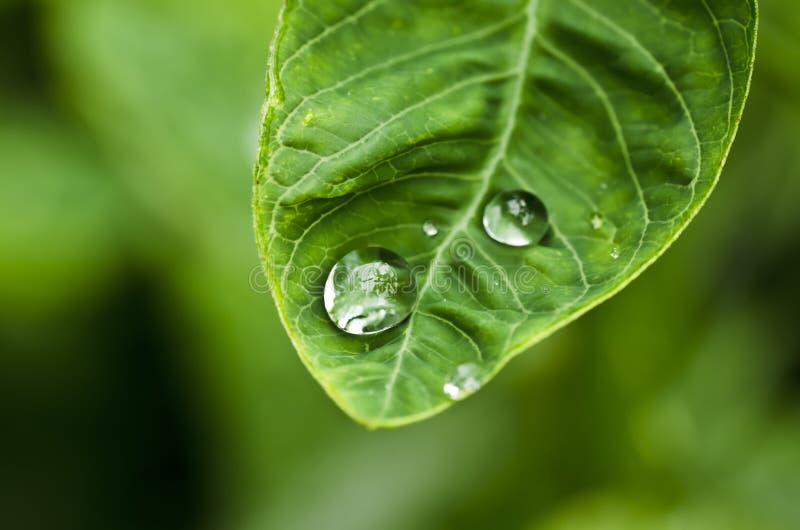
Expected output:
(147, 383)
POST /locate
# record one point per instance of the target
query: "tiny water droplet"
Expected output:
(464, 382)
(596, 220)
(615, 253)
(309, 117)
(603, 185)
(370, 290)
(515, 218)
(430, 229)
(275, 101)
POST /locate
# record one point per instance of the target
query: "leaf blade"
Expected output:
(348, 160)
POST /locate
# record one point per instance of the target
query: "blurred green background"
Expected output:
(146, 383)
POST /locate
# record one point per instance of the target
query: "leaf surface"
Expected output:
(383, 115)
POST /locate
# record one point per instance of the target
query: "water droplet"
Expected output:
(370, 290)
(596, 220)
(515, 218)
(309, 117)
(615, 253)
(275, 101)
(603, 186)
(430, 229)
(464, 382)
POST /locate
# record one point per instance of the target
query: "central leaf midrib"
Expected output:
(488, 172)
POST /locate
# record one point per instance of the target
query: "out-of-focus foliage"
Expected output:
(146, 383)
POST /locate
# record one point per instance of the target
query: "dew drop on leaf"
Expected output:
(430, 229)
(464, 382)
(615, 253)
(515, 218)
(369, 290)
(596, 221)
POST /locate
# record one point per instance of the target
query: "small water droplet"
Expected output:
(464, 382)
(370, 290)
(275, 101)
(515, 218)
(309, 117)
(615, 253)
(596, 220)
(604, 186)
(430, 229)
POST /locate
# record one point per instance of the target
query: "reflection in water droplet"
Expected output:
(370, 290)
(515, 218)
(596, 220)
(430, 229)
(615, 253)
(464, 382)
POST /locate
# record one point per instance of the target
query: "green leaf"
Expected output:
(382, 115)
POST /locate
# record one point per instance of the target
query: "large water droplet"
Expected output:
(515, 218)
(370, 290)
(464, 382)
(430, 229)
